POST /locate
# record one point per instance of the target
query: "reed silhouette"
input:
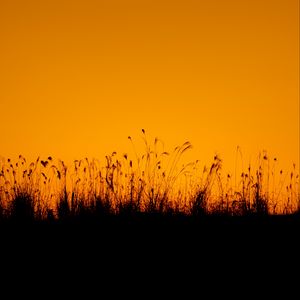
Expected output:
(150, 210)
(153, 183)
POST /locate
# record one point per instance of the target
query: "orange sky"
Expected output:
(78, 77)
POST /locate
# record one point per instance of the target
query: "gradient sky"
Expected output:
(78, 77)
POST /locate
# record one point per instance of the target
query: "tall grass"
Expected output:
(153, 182)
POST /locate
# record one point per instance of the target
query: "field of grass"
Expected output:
(152, 183)
(149, 214)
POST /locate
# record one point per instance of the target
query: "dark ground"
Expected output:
(151, 250)
(135, 234)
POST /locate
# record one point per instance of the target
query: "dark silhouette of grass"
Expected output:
(129, 217)
(148, 188)
(22, 208)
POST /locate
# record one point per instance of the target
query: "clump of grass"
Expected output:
(22, 208)
(200, 204)
(26, 189)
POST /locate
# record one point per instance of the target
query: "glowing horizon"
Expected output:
(78, 78)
